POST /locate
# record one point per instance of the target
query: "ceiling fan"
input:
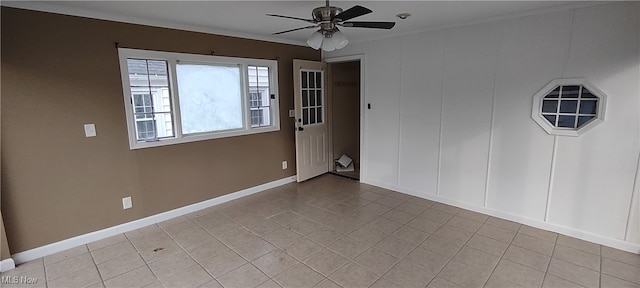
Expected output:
(328, 18)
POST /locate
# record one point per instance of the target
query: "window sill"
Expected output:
(135, 145)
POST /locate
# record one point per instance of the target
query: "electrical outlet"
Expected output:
(90, 130)
(126, 203)
(284, 165)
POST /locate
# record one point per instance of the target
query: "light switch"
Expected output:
(90, 130)
(126, 203)
(292, 113)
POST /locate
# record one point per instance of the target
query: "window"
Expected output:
(568, 107)
(175, 98)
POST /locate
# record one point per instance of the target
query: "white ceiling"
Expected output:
(248, 19)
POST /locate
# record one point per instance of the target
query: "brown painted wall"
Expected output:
(345, 93)
(4, 246)
(60, 72)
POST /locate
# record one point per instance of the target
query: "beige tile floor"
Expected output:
(335, 232)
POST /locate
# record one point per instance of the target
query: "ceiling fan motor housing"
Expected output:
(324, 16)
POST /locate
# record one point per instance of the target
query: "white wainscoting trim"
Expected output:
(537, 223)
(62, 245)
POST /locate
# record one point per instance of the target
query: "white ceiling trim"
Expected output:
(53, 8)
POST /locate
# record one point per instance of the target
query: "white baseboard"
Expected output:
(7, 264)
(584, 235)
(52, 248)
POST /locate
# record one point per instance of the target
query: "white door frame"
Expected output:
(363, 157)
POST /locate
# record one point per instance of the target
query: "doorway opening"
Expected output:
(344, 100)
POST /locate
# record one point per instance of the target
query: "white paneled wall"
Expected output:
(467, 101)
(520, 162)
(421, 86)
(382, 80)
(594, 177)
(451, 120)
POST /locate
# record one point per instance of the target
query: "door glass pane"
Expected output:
(319, 118)
(312, 116)
(305, 116)
(312, 82)
(305, 98)
(312, 98)
(318, 79)
(319, 97)
(304, 78)
(210, 97)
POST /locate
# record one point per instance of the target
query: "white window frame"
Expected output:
(538, 99)
(172, 59)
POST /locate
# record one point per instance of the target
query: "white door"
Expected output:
(311, 129)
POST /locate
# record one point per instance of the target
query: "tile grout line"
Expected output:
(96, 264)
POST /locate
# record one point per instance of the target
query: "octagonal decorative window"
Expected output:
(568, 107)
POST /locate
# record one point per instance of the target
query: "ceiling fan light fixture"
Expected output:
(315, 41)
(339, 39)
(328, 44)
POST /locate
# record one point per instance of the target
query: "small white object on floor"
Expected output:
(339, 168)
(345, 161)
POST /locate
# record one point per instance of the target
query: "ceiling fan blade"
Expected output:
(287, 31)
(294, 18)
(353, 12)
(364, 24)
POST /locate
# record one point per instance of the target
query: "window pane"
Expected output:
(145, 130)
(158, 73)
(553, 94)
(568, 106)
(570, 91)
(587, 94)
(305, 79)
(551, 119)
(588, 106)
(583, 120)
(319, 115)
(266, 119)
(138, 72)
(210, 97)
(567, 121)
(164, 125)
(259, 95)
(550, 106)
